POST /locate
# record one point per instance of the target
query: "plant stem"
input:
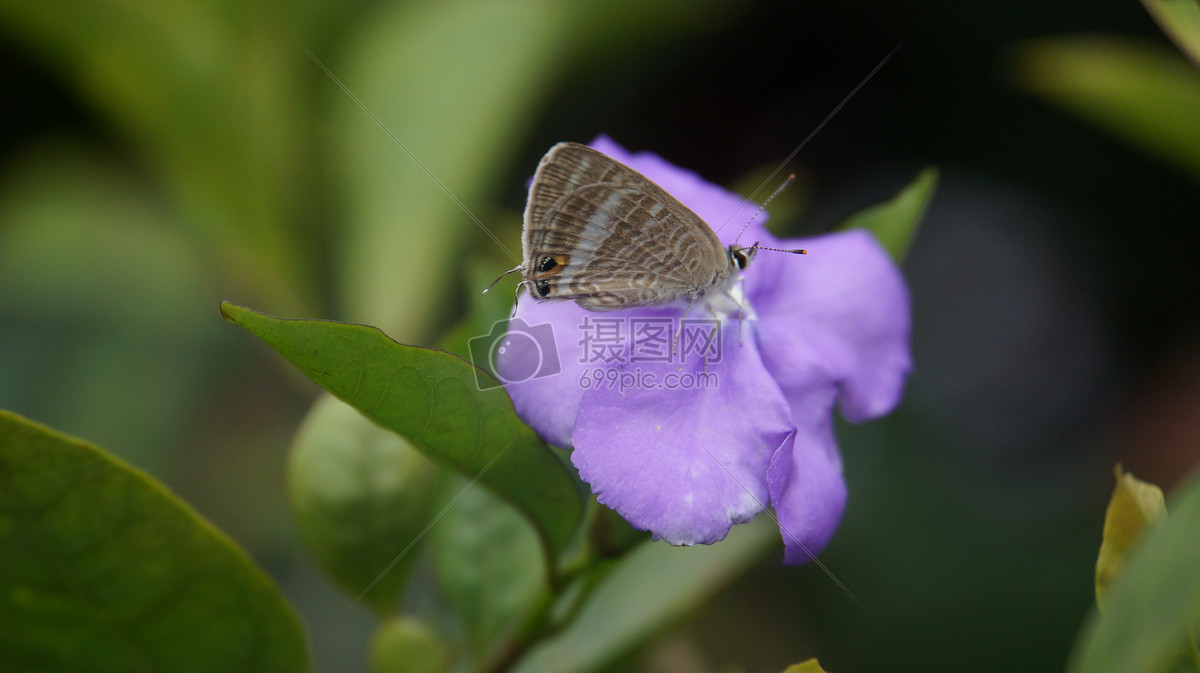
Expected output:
(541, 623)
(530, 632)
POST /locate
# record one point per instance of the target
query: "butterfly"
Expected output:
(607, 237)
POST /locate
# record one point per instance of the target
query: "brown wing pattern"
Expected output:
(600, 233)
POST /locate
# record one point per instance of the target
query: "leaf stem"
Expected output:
(520, 643)
(555, 610)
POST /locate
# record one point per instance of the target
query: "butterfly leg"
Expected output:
(679, 326)
(516, 299)
(741, 313)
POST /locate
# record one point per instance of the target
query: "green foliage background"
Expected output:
(158, 158)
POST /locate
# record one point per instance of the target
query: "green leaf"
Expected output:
(126, 321)
(424, 70)
(208, 92)
(894, 222)
(810, 666)
(434, 400)
(1135, 505)
(1152, 612)
(361, 496)
(405, 645)
(488, 564)
(652, 587)
(102, 569)
(1141, 92)
(427, 71)
(1180, 20)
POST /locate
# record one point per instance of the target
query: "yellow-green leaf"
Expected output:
(1180, 20)
(1135, 505)
(1153, 612)
(405, 645)
(810, 666)
(1140, 91)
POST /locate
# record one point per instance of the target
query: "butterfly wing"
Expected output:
(604, 235)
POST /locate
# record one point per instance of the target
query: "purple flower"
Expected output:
(685, 442)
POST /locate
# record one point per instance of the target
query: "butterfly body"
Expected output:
(602, 234)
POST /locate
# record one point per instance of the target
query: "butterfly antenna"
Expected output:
(796, 251)
(512, 270)
(790, 179)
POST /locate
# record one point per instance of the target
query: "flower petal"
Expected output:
(723, 210)
(684, 464)
(808, 491)
(541, 372)
(840, 315)
(550, 403)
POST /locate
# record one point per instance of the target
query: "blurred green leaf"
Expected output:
(1135, 505)
(456, 83)
(631, 24)
(405, 645)
(1149, 614)
(1139, 91)
(74, 255)
(1180, 20)
(102, 302)
(488, 564)
(433, 399)
(361, 496)
(810, 666)
(208, 92)
(101, 569)
(649, 589)
(483, 310)
(894, 222)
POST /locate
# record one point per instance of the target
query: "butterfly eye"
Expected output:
(546, 264)
(740, 258)
(543, 288)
